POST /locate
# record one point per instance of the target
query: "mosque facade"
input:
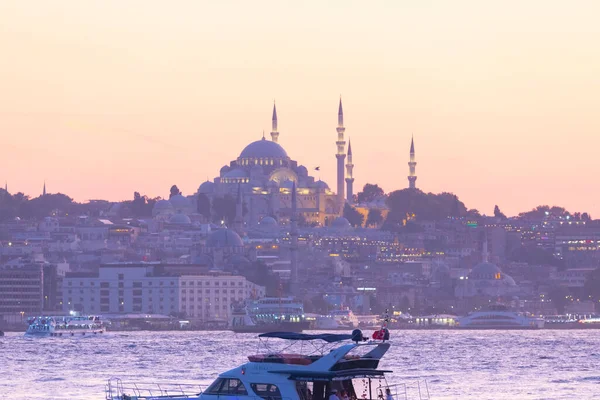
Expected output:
(264, 175)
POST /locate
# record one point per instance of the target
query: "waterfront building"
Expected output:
(156, 288)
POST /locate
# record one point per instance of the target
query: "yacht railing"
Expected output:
(116, 390)
(402, 391)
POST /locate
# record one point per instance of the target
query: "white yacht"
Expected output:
(499, 317)
(333, 366)
(71, 325)
(337, 319)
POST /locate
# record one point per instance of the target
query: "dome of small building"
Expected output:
(179, 202)
(341, 223)
(207, 187)
(180, 219)
(263, 149)
(162, 207)
(236, 173)
(268, 221)
(485, 270)
(224, 238)
(224, 169)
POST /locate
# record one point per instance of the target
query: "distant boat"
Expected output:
(499, 317)
(57, 326)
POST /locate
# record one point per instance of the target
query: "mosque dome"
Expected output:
(207, 187)
(263, 149)
(321, 185)
(162, 207)
(224, 238)
(302, 171)
(484, 270)
(179, 202)
(341, 223)
(224, 169)
(236, 173)
(180, 219)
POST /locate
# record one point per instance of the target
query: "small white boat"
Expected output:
(499, 317)
(331, 367)
(337, 319)
(70, 325)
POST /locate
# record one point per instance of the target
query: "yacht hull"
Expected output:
(65, 333)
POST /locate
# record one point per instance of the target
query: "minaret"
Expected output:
(412, 177)
(294, 240)
(44, 190)
(341, 156)
(238, 221)
(485, 255)
(274, 133)
(349, 177)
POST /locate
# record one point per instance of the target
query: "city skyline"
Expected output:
(126, 101)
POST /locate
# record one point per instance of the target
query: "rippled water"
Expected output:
(456, 364)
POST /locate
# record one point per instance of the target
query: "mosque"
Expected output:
(266, 174)
(262, 178)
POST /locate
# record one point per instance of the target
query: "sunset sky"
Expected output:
(104, 98)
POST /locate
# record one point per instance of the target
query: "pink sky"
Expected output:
(103, 98)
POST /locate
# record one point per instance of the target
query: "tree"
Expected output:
(498, 213)
(369, 193)
(374, 217)
(425, 206)
(559, 297)
(223, 208)
(174, 191)
(535, 255)
(354, 217)
(203, 207)
(473, 213)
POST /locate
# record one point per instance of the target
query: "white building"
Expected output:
(156, 289)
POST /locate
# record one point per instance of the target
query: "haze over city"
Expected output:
(103, 98)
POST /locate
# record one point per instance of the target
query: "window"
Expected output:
(227, 386)
(266, 390)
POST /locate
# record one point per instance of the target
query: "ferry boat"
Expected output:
(499, 317)
(333, 367)
(70, 325)
(269, 314)
(572, 321)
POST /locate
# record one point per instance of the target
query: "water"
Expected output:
(456, 364)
